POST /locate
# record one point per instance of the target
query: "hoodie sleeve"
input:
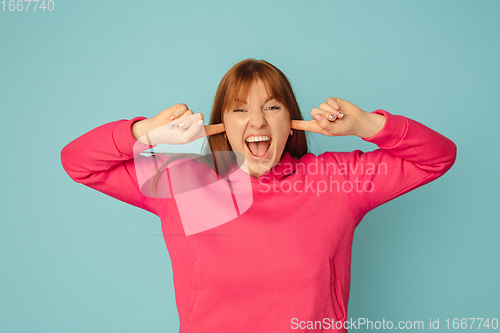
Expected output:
(410, 155)
(108, 160)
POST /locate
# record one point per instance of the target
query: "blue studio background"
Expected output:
(75, 260)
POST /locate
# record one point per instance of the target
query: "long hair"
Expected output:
(235, 86)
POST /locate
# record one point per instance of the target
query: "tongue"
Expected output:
(259, 148)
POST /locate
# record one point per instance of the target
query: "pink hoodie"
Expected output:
(278, 259)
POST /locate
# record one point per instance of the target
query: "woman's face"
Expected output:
(258, 118)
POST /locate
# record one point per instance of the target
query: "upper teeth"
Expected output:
(258, 138)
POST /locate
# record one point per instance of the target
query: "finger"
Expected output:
(187, 113)
(171, 111)
(327, 107)
(332, 101)
(343, 104)
(332, 113)
(186, 120)
(323, 120)
(306, 125)
(195, 130)
(329, 114)
(178, 110)
(167, 113)
(214, 129)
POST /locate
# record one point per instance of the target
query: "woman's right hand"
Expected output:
(188, 127)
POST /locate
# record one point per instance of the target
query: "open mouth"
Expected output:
(258, 149)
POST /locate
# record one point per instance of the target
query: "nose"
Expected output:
(257, 119)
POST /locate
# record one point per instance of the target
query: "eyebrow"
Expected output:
(270, 98)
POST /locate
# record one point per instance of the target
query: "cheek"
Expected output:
(234, 137)
(282, 129)
(234, 127)
(282, 123)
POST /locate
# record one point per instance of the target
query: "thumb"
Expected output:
(341, 103)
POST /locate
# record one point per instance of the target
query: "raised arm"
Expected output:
(108, 157)
(410, 153)
(103, 159)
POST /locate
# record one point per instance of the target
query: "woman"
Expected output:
(269, 252)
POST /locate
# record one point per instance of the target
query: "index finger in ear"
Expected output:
(304, 125)
(214, 129)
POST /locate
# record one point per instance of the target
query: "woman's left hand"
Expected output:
(337, 117)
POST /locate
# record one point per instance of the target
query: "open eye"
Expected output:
(239, 110)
